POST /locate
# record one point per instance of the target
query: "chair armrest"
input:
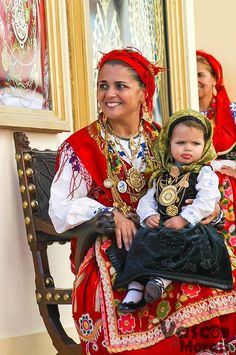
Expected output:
(86, 233)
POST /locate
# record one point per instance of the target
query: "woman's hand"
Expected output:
(152, 221)
(227, 170)
(125, 230)
(212, 216)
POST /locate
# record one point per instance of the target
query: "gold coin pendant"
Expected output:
(172, 210)
(168, 195)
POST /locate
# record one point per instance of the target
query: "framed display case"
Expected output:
(35, 90)
(109, 24)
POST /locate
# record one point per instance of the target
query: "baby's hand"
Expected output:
(153, 221)
(176, 222)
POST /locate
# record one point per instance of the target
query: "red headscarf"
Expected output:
(224, 133)
(144, 68)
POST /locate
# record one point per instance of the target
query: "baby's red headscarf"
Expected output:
(224, 133)
(143, 67)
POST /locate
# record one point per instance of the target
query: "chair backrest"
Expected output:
(36, 171)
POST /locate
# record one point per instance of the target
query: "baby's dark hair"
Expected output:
(190, 121)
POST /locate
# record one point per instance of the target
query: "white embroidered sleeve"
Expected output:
(218, 164)
(207, 196)
(147, 206)
(67, 209)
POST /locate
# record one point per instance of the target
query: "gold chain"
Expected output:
(134, 147)
(134, 178)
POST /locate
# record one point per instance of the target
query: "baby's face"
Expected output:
(186, 144)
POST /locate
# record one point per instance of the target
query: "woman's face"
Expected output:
(118, 93)
(206, 81)
(186, 144)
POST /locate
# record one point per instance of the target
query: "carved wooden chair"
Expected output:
(35, 171)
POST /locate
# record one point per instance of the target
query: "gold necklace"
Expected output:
(134, 179)
(112, 182)
(168, 192)
(134, 147)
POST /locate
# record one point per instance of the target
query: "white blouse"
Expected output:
(203, 205)
(67, 211)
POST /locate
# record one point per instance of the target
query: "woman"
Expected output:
(215, 104)
(107, 165)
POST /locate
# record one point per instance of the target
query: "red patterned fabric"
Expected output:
(88, 145)
(144, 68)
(186, 320)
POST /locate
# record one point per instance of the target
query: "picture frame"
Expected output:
(59, 117)
(179, 81)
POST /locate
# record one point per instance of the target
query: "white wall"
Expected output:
(18, 307)
(216, 34)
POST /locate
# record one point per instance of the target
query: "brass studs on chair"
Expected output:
(17, 157)
(34, 204)
(39, 297)
(66, 297)
(27, 220)
(29, 172)
(48, 296)
(31, 188)
(20, 173)
(30, 237)
(25, 204)
(27, 157)
(57, 297)
(48, 281)
(22, 189)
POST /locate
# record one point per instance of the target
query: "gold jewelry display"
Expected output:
(135, 179)
(132, 181)
(145, 113)
(134, 147)
(172, 210)
(108, 183)
(168, 195)
(169, 190)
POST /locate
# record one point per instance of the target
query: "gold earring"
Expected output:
(146, 113)
(214, 91)
(99, 110)
(102, 117)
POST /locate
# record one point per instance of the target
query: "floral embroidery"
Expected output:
(228, 191)
(74, 161)
(232, 239)
(190, 290)
(126, 323)
(231, 346)
(163, 309)
(86, 324)
(87, 329)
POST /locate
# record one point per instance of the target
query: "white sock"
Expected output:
(162, 281)
(133, 295)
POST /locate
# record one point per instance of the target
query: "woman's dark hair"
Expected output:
(190, 121)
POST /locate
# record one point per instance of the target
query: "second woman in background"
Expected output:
(215, 104)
